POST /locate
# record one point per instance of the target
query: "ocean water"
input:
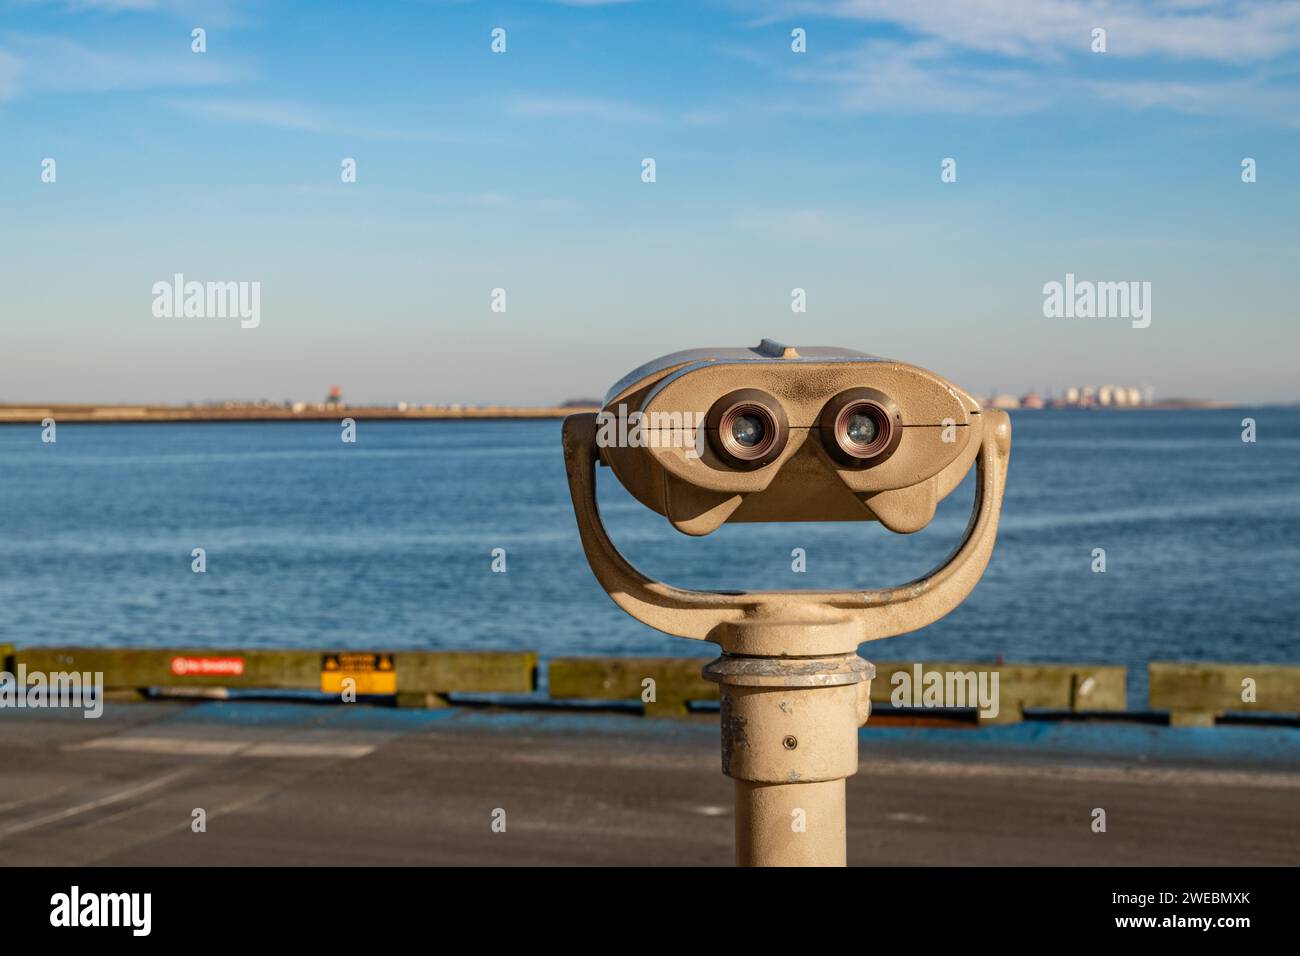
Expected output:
(388, 543)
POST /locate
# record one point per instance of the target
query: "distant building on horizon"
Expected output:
(1076, 396)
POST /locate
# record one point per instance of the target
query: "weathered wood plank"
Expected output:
(183, 667)
(425, 678)
(418, 672)
(676, 680)
(488, 672)
(1072, 687)
(1197, 692)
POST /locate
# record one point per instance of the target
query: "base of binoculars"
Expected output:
(793, 689)
(789, 740)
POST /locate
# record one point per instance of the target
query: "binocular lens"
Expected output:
(748, 430)
(747, 427)
(861, 429)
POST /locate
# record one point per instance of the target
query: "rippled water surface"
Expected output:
(388, 543)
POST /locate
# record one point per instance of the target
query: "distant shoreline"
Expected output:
(35, 414)
(1172, 405)
(118, 414)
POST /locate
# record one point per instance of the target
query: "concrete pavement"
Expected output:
(306, 784)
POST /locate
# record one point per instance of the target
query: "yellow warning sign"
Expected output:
(369, 673)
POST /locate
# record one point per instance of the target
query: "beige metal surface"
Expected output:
(789, 623)
(790, 824)
(793, 690)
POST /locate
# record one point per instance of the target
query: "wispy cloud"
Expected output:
(207, 12)
(489, 199)
(1216, 30)
(288, 115)
(114, 6)
(39, 63)
(280, 114)
(9, 67)
(1001, 57)
(579, 107)
(1173, 94)
(887, 76)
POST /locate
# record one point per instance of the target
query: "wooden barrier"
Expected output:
(677, 681)
(424, 678)
(1196, 693)
(1065, 687)
(416, 678)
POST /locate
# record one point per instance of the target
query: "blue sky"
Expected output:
(522, 171)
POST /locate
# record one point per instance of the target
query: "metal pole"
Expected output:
(789, 740)
(790, 824)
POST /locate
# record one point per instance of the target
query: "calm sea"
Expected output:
(388, 543)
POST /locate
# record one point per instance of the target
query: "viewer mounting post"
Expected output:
(775, 433)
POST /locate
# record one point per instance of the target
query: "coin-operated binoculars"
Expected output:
(777, 434)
